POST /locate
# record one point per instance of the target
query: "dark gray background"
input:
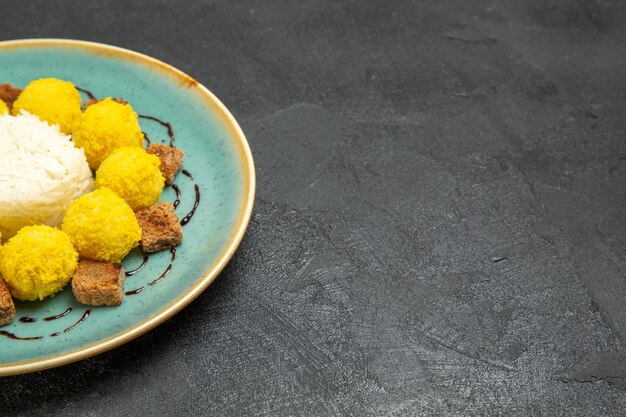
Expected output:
(401, 148)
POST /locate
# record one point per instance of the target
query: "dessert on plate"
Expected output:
(78, 192)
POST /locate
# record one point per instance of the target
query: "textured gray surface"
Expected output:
(401, 149)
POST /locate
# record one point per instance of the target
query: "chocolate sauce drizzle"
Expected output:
(189, 215)
(139, 268)
(73, 326)
(58, 316)
(160, 277)
(135, 291)
(177, 191)
(89, 93)
(14, 337)
(163, 275)
(146, 138)
(50, 318)
(28, 319)
(167, 125)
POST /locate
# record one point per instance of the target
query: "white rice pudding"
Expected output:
(41, 173)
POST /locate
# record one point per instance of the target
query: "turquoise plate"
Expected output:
(216, 155)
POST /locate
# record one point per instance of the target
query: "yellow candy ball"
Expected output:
(102, 226)
(134, 175)
(54, 101)
(3, 107)
(37, 262)
(105, 127)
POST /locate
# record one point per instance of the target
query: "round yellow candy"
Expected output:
(54, 101)
(134, 175)
(102, 226)
(37, 262)
(3, 107)
(105, 127)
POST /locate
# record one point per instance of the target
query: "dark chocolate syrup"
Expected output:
(187, 173)
(14, 337)
(146, 138)
(170, 131)
(163, 275)
(50, 318)
(177, 191)
(139, 268)
(58, 316)
(28, 319)
(82, 319)
(135, 291)
(89, 94)
(189, 215)
(160, 277)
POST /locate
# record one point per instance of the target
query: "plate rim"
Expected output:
(243, 217)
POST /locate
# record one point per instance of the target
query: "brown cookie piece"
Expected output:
(171, 159)
(160, 227)
(98, 283)
(7, 308)
(9, 93)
